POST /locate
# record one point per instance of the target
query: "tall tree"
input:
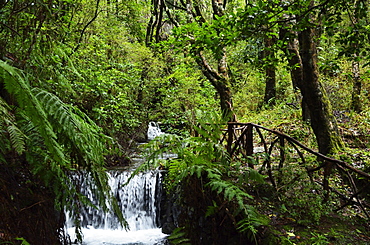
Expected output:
(196, 32)
(300, 18)
(322, 118)
(291, 50)
(270, 70)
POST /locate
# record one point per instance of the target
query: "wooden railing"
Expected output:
(247, 141)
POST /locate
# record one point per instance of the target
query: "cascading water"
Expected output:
(153, 130)
(138, 201)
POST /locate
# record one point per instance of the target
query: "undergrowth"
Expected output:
(49, 140)
(202, 168)
(216, 189)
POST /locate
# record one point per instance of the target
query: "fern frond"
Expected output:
(5, 118)
(230, 190)
(178, 237)
(16, 83)
(71, 129)
(56, 135)
(77, 132)
(17, 138)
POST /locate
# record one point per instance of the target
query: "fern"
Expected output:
(73, 130)
(16, 84)
(17, 138)
(207, 160)
(178, 237)
(56, 138)
(230, 190)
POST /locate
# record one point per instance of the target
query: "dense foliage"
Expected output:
(209, 186)
(80, 80)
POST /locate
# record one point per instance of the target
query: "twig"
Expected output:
(87, 25)
(32, 205)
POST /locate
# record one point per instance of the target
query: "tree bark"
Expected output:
(296, 72)
(270, 72)
(322, 120)
(220, 81)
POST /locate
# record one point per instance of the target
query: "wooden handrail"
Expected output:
(293, 141)
(239, 141)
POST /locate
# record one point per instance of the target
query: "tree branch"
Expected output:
(10, 28)
(87, 25)
(207, 70)
(175, 6)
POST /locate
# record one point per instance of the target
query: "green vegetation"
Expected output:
(80, 80)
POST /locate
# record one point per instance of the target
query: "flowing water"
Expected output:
(153, 130)
(139, 202)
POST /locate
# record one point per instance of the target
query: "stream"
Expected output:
(139, 201)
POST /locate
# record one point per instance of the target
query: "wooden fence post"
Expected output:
(230, 137)
(249, 144)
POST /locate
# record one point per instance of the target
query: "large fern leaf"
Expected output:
(55, 134)
(8, 124)
(17, 138)
(72, 129)
(16, 84)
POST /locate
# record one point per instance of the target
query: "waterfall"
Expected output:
(153, 130)
(139, 203)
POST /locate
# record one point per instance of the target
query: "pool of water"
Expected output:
(92, 236)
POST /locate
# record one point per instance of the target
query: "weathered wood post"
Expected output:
(282, 152)
(249, 143)
(282, 157)
(230, 136)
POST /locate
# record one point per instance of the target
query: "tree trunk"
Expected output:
(270, 89)
(220, 81)
(219, 78)
(323, 121)
(296, 72)
(153, 29)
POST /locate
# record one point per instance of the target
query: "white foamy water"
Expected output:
(139, 203)
(94, 236)
(153, 130)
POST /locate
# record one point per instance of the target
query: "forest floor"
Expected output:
(292, 224)
(308, 223)
(331, 229)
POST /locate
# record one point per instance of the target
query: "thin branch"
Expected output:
(175, 6)
(32, 205)
(297, 17)
(199, 14)
(159, 19)
(207, 70)
(169, 15)
(87, 25)
(10, 28)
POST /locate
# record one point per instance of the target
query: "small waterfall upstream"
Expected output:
(153, 130)
(139, 202)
